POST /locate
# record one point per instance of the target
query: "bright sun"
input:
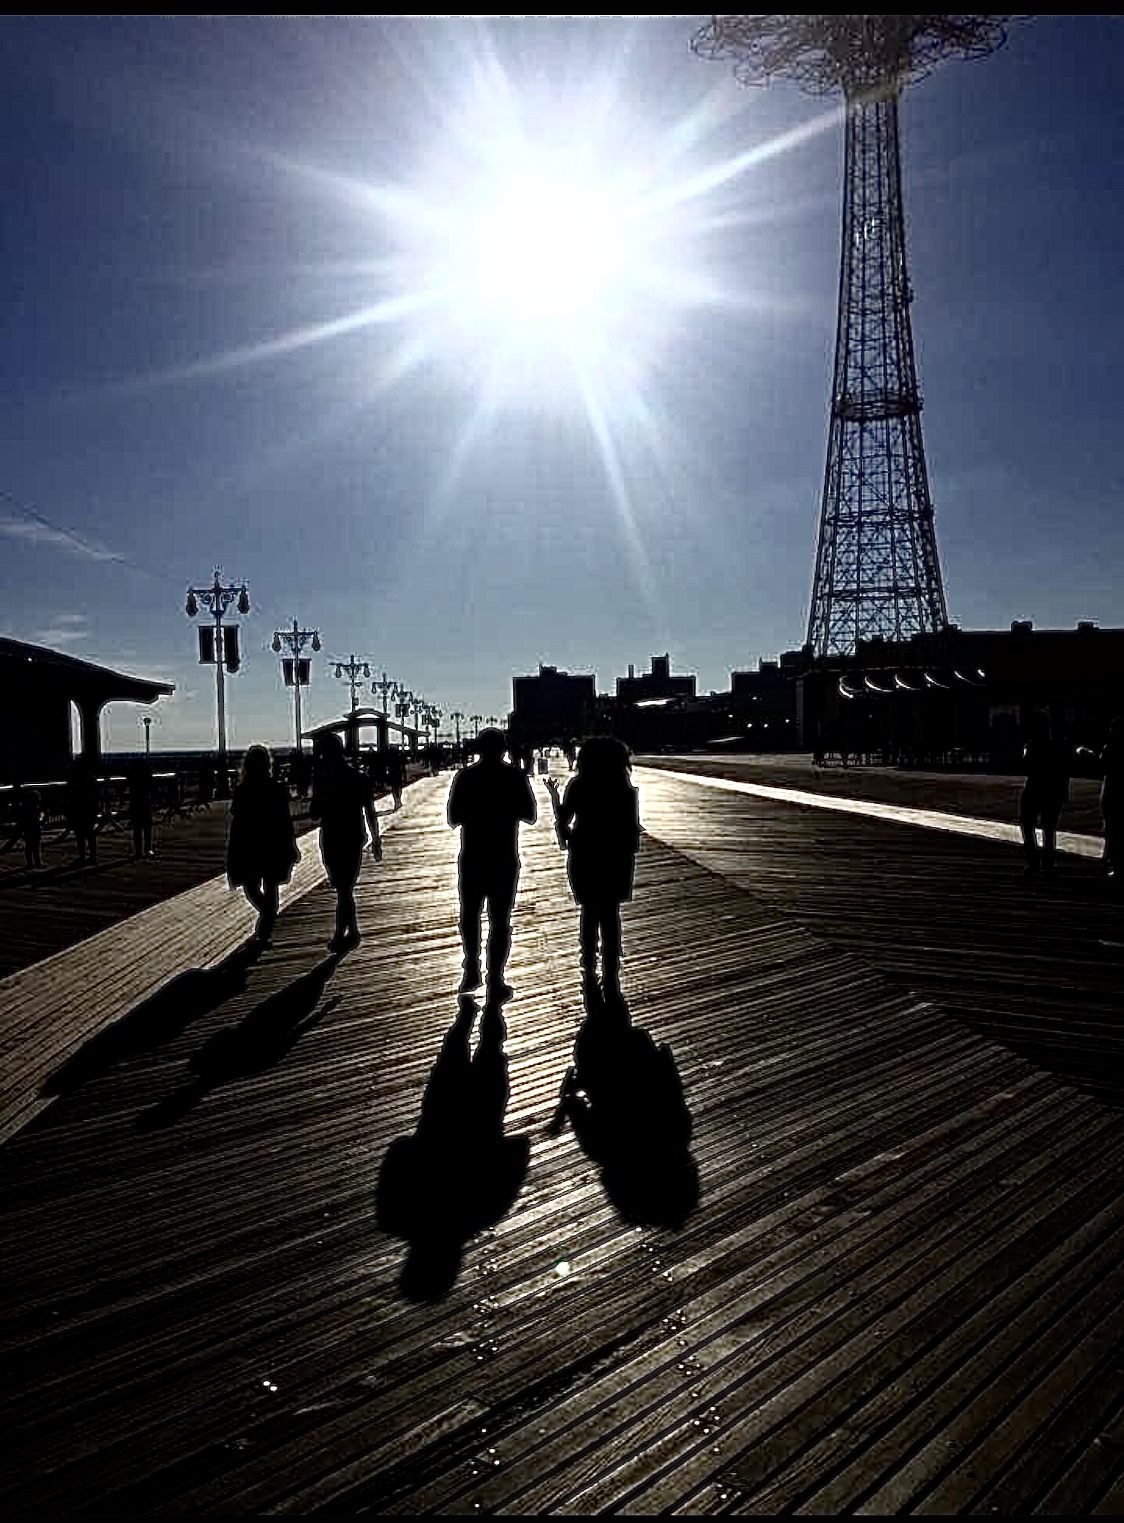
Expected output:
(544, 252)
(550, 271)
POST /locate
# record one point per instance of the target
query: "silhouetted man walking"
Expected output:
(488, 800)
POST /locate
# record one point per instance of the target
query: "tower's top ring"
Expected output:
(849, 53)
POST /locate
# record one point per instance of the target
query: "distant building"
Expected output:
(552, 707)
(963, 697)
(44, 690)
(653, 685)
(764, 702)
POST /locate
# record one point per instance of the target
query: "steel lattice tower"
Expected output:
(877, 571)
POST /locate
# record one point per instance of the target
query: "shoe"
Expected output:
(338, 944)
(499, 992)
(470, 979)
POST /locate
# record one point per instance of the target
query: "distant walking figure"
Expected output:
(140, 808)
(1046, 762)
(598, 820)
(488, 801)
(1110, 761)
(261, 850)
(395, 774)
(29, 819)
(82, 808)
(343, 801)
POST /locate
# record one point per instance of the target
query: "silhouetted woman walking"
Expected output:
(261, 850)
(598, 821)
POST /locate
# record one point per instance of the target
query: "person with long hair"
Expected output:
(261, 849)
(598, 824)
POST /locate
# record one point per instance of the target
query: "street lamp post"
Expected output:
(224, 653)
(351, 671)
(419, 707)
(403, 700)
(295, 640)
(388, 689)
(147, 722)
(475, 719)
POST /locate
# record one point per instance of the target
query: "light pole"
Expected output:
(456, 716)
(419, 706)
(402, 708)
(147, 722)
(221, 647)
(295, 640)
(388, 689)
(475, 719)
(351, 671)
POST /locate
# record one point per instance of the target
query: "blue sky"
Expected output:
(253, 320)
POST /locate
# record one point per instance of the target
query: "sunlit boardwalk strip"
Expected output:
(898, 1289)
(928, 819)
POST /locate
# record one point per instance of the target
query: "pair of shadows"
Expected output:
(458, 1174)
(255, 1044)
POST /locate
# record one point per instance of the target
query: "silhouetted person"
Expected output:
(395, 774)
(82, 808)
(206, 780)
(1046, 763)
(302, 773)
(29, 819)
(488, 801)
(598, 820)
(1110, 763)
(343, 802)
(140, 808)
(261, 849)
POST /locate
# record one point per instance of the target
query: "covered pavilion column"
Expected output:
(89, 708)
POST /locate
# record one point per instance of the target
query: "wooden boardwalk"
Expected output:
(283, 1237)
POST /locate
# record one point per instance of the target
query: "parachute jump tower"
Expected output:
(877, 571)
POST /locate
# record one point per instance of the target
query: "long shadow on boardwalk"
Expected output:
(161, 1018)
(257, 1043)
(624, 1099)
(457, 1174)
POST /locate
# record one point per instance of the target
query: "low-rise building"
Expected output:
(552, 707)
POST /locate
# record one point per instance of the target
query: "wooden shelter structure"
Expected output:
(348, 726)
(39, 687)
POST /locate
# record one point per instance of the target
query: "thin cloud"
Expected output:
(37, 530)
